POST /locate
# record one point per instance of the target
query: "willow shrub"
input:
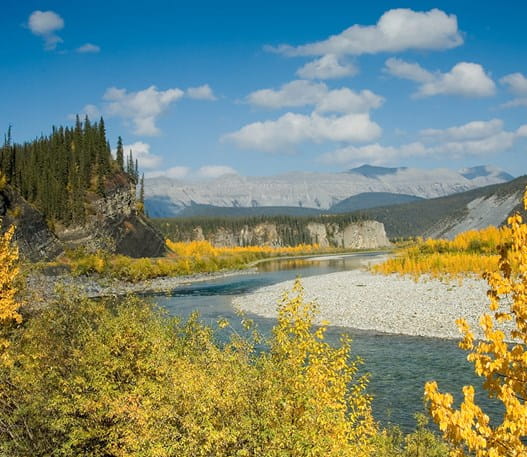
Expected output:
(107, 378)
(473, 251)
(500, 359)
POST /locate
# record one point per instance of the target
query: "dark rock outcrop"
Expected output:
(34, 238)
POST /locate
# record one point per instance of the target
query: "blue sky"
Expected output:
(260, 88)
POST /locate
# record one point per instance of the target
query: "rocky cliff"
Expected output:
(34, 238)
(114, 224)
(355, 235)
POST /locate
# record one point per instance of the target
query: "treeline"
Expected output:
(62, 172)
(291, 230)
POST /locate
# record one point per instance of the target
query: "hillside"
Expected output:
(450, 215)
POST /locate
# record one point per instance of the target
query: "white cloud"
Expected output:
(215, 171)
(407, 70)
(89, 48)
(45, 24)
(347, 101)
(201, 93)
(302, 93)
(471, 131)
(327, 67)
(515, 103)
(397, 30)
(478, 138)
(141, 152)
(465, 78)
(516, 82)
(142, 107)
(291, 129)
(372, 153)
(295, 93)
(89, 110)
(173, 172)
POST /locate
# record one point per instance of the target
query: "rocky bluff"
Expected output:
(353, 235)
(113, 224)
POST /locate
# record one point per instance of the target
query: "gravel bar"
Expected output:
(383, 303)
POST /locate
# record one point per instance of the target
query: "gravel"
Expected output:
(383, 303)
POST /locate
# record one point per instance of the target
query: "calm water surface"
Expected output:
(399, 365)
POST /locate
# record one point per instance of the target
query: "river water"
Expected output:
(398, 365)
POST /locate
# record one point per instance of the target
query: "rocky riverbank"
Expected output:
(392, 304)
(43, 288)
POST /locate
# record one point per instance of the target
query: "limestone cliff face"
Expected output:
(356, 235)
(116, 226)
(359, 235)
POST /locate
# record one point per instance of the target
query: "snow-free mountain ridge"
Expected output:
(166, 197)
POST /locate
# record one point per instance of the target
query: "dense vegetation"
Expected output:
(292, 230)
(474, 251)
(118, 378)
(62, 172)
(184, 259)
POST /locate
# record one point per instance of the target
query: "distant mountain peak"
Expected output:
(372, 171)
(483, 171)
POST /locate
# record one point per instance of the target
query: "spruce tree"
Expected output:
(119, 157)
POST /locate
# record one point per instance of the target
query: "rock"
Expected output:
(116, 226)
(356, 235)
(34, 238)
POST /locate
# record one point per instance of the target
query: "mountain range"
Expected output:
(358, 188)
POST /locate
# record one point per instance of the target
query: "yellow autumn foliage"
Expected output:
(500, 358)
(9, 271)
(185, 259)
(473, 251)
(121, 379)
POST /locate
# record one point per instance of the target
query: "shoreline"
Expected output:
(43, 286)
(392, 304)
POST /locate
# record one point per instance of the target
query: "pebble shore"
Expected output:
(383, 303)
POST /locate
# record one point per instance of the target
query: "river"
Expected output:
(398, 365)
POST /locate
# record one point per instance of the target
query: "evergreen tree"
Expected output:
(120, 154)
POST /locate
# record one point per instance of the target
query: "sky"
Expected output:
(201, 89)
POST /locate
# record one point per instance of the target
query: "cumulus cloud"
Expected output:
(173, 172)
(397, 30)
(327, 67)
(215, 171)
(372, 153)
(516, 83)
(88, 48)
(44, 24)
(474, 130)
(141, 152)
(89, 110)
(292, 129)
(465, 78)
(293, 94)
(141, 107)
(407, 70)
(477, 138)
(304, 93)
(201, 93)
